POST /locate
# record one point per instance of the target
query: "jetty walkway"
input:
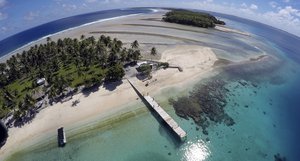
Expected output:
(172, 124)
(166, 117)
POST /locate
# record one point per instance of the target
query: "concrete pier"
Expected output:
(172, 124)
(166, 117)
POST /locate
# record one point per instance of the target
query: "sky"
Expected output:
(19, 15)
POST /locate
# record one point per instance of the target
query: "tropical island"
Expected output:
(58, 70)
(198, 19)
(49, 72)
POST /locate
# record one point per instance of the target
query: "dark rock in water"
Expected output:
(3, 134)
(254, 85)
(229, 121)
(169, 153)
(243, 83)
(277, 157)
(205, 104)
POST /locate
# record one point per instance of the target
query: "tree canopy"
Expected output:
(153, 51)
(63, 63)
(198, 19)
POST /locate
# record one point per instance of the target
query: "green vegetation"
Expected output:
(64, 63)
(153, 51)
(145, 69)
(163, 65)
(191, 18)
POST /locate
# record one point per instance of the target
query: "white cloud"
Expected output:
(69, 7)
(3, 16)
(3, 3)
(286, 1)
(111, 1)
(244, 5)
(287, 18)
(288, 11)
(3, 29)
(91, 1)
(31, 16)
(273, 4)
(209, 1)
(253, 7)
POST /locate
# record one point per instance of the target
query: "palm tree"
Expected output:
(8, 98)
(82, 37)
(124, 55)
(136, 55)
(48, 39)
(108, 41)
(130, 54)
(135, 44)
(2, 68)
(153, 51)
(28, 102)
(3, 77)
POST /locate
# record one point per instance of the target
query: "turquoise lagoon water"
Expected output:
(266, 113)
(257, 135)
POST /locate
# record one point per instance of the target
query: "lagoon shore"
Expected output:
(196, 61)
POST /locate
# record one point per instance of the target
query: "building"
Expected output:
(141, 63)
(41, 81)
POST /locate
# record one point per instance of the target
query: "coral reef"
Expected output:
(205, 104)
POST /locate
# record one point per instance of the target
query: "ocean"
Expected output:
(11, 43)
(262, 99)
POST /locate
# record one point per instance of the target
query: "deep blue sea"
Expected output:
(267, 116)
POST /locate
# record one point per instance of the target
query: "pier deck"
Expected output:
(166, 117)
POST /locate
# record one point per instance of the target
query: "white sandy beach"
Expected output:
(103, 102)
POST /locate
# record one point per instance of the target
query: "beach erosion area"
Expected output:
(191, 48)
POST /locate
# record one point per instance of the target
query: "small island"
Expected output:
(198, 19)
